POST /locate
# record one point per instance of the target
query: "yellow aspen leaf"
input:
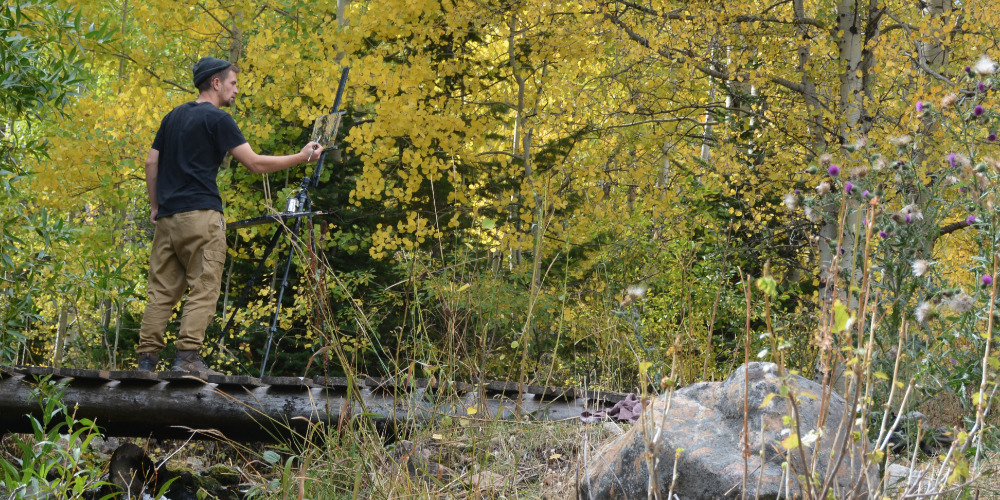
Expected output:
(791, 442)
(767, 400)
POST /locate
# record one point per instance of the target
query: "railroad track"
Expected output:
(176, 405)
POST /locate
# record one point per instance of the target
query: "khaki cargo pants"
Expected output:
(189, 250)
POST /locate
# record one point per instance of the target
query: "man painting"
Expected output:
(189, 246)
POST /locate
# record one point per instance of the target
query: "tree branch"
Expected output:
(676, 15)
(150, 71)
(951, 228)
(722, 75)
(504, 153)
(788, 84)
(217, 20)
(921, 60)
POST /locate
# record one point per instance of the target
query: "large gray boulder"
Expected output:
(705, 420)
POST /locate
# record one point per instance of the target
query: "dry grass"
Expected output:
(474, 459)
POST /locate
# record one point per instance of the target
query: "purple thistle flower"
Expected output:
(981, 87)
(971, 220)
(865, 194)
(848, 187)
(883, 234)
(951, 159)
(968, 70)
(833, 170)
(908, 219)
(920, 106)
(991, 138)
(987, 280)
(797, 191)
(961, 190)
(978, 110)
(864, 222)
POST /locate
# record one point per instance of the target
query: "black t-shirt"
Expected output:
(192, 140)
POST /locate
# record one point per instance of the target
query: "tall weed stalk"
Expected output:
(900, 312)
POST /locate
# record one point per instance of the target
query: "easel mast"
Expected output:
(298, 208)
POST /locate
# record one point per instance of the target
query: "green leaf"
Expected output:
(840, 317)
(960, 472)
(271, 457)
(768, 285)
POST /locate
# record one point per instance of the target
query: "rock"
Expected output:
(225, 475)
(104, 446)
(416, 460)
(613, 429)
(915, 428)
(196, 464)
(184, 486)
(898, 477)
(211, 485)
(131, 471)
(486, 481)
(704, 426)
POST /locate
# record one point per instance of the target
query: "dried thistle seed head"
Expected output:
(632, 294)
(791, 201)
(900, 140)
(961, 303)
(924, 311)
(958, 160)
(812, 214)
(913, 211)
(879, 164)
(984, 66)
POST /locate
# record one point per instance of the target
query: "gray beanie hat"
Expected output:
(208, 66)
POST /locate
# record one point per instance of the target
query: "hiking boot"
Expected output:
(190, 361)
(147, 361)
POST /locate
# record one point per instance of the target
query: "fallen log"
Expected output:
(175, 405)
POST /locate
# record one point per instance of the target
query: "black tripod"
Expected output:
(299, 208)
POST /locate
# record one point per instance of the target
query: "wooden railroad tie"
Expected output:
(172, 404)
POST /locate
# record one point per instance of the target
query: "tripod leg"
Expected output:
(281, 294)
(242, 301)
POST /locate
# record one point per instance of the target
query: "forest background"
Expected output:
(567, 192)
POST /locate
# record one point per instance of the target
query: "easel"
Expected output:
(299, 207)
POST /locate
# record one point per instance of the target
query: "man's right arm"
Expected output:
(152, 163)
(263, 164)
